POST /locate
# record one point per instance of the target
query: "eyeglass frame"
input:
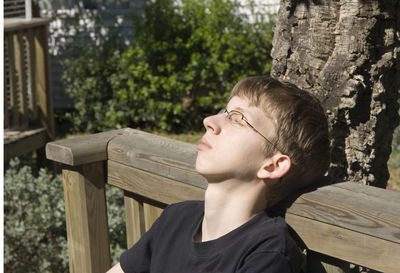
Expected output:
(229, 116)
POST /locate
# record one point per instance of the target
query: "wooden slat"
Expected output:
(31, 58)
(355, 207)
(5, 92)
(355, 247)
(163, 156)
(23, 142)
(151, 213)
(13, 82)
(82, 149)
(134, 219)
(144, 183)
(44, 95)
(19, 51)
(87, 228)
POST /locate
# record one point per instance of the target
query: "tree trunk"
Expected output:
(347, 53)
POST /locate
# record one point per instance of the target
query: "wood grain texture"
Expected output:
(348, 245)
(82, 149)
(6, 97)
(356, 207)
(14, 24)
(134, 219)
(151, 186)
(17, 143)
(151, 213)
(166, 157)
(44, 95)
(87, 227)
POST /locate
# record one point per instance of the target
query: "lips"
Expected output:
(204, 145)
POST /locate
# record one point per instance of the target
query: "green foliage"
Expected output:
(34, 228)
(86, 81)
(116, 222)
(182, 66)
(35, 237)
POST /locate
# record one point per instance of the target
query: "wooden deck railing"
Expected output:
(28, 100)
(339, 224)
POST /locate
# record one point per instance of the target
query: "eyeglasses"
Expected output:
(237, 117)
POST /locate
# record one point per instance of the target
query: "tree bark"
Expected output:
(346, 53)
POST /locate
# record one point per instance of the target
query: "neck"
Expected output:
(230, 204)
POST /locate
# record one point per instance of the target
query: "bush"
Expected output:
(35, 237)
(34, 228)
(182, 66)
(86, 81)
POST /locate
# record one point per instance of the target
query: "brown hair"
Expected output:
(301, 127)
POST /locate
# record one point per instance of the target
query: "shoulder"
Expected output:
(275, 241)
(185, 208)
(272, 229)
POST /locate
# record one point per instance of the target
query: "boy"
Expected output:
(271, 140)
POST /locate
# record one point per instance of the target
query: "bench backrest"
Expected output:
(339, 224)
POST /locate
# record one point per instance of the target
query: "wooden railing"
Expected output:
(340, 223)
(28, 100)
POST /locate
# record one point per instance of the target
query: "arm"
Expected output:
(116, 269)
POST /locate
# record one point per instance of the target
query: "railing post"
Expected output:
(84, 178)
(86, 217)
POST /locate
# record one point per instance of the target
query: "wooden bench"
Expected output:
(28, 100)
(339, 224)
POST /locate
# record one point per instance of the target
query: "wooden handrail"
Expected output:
(348, 221)
(14, 24)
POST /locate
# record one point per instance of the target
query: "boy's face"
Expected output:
(233, 150)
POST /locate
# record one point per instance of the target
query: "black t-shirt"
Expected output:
(260, 245)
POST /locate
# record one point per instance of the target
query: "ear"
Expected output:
(275, 167)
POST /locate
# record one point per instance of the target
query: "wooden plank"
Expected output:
(31, 72)
(44, 95)
(6, 98)
(82, 149)
(151, 213)
(348, 245)
(15, 24)
(134, 219)
(87, 227)
(13, 82)
(356, 207)
(159, 155)
(23, 142)
(19, 51)
(143, 183)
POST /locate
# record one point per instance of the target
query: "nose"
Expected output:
(213, 124)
